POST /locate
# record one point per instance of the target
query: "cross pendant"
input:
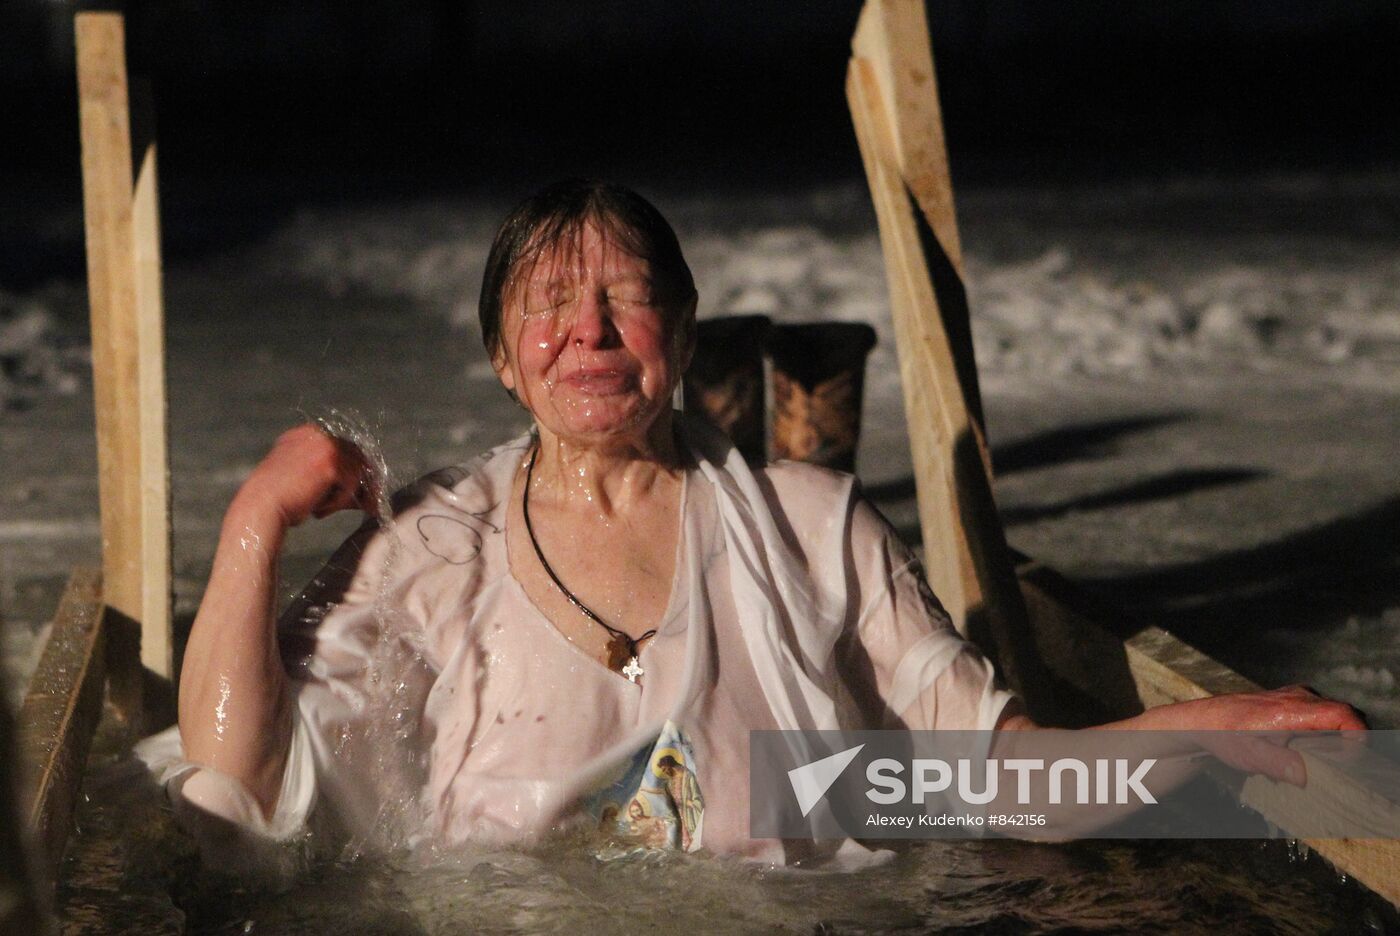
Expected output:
(632, 670)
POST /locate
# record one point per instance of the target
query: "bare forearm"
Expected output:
(1174, 760)
(234, 715)
(1179, 716)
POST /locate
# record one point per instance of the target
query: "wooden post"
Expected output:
(124, 294)
(60, 714)
(893, 97)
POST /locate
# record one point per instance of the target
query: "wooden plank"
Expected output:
(892, 35)
(1168, 670)
(936, 422)
(1334, 796)
(123, 257)
(157, 649)
(60, 713)
(965, 547)
(1154, 668)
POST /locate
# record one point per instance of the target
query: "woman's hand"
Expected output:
(1240, 716)
(307, 473)
(1292, 708)
(1246, 730)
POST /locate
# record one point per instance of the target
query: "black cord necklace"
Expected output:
(622, 647)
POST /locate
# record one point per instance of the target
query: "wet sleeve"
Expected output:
(223, 816)
(353, 650)
(903, 660)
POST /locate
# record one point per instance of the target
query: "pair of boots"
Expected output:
(818, 386)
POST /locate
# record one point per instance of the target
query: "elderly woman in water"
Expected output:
(585, 624)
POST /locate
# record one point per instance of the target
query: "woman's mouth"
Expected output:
(601, 382)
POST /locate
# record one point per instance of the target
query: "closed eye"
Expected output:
(631, 295)
(553, 301)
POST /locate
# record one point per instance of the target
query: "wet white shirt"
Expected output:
(435, 704)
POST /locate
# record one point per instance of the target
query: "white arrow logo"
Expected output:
(811, 781)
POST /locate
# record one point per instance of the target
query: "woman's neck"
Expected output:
(607, 477)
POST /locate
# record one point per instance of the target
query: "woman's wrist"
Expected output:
(256, 521)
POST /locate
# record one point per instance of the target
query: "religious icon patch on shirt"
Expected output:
(655, 801)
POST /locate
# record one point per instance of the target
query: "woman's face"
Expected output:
(588, 345)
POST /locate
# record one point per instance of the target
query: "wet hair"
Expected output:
(557, 214)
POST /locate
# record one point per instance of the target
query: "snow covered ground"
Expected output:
(1191, 387)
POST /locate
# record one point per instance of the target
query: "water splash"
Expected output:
(353, 428)
(390, 728)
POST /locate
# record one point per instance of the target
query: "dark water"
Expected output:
(131, 870)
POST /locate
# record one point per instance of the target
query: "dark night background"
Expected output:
(265, 105)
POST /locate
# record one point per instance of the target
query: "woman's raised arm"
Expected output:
(234, 711)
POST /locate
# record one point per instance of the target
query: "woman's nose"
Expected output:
(593, 326)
